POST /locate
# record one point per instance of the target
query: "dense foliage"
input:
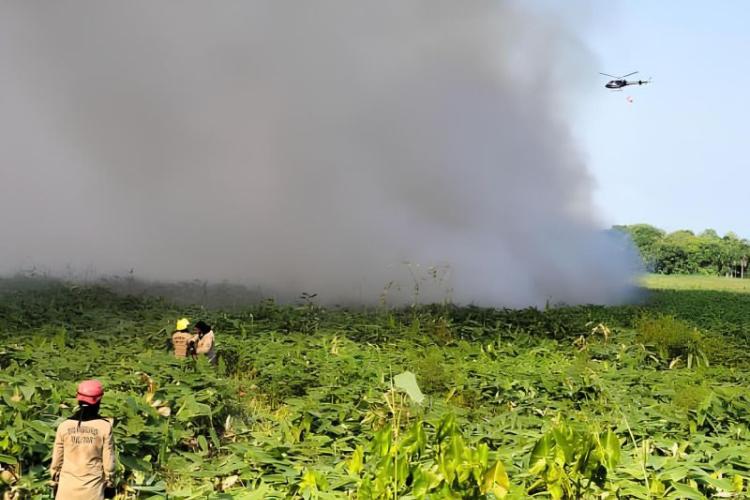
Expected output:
(644, 401)
(683, 252)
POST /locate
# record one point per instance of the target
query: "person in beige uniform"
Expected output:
(181, 338)
(83, 459)
(204, 341)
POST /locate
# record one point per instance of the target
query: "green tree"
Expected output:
(684, 252)
(737, 254)
(645, 237)
(677, 253)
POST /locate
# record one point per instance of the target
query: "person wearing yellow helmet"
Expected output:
(181, 338)
(182, 325)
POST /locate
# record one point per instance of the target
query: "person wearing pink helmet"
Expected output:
(83, 459)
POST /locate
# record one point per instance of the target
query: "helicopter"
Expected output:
(620, 81)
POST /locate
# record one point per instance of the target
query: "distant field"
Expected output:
(695, 282)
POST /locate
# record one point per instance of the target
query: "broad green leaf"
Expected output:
(214, 437)
(156, 488)
(203, 444)
(674, 474)
(540, 454)
(135, 463)
(356, 461)
(686, 492)
(611, 450)
(28, 391)
(738, 483)
(496, 481)
(722, 485)
(407, 382)
(634, 490)
(191, 408)
(564, 442)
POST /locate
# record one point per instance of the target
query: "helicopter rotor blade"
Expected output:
(629, 74)
(605, 74)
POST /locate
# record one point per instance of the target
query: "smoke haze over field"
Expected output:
(300, 146)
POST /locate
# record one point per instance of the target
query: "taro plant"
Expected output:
(422, 462)
(573, 463)
(417, 462)
(674, 340)
(304, 404)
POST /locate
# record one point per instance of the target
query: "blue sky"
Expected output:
(677, 157)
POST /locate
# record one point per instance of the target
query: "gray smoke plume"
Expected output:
(301, 146)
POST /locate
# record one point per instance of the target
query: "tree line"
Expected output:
(684, 252)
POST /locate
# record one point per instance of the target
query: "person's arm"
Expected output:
(108, 458)
(57, 456)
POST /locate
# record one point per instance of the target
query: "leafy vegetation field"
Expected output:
(642, 401)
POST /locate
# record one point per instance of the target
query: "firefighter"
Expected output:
(181, 338)
(83, 459)
(204, 341)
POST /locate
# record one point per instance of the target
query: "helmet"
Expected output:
(182, 324)
(90, 391)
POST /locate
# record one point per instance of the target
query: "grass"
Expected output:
(695, 282)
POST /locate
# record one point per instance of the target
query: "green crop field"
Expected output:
(642, 401)
(695, 282)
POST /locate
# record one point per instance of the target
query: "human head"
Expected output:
(90, 392)
(203, 327)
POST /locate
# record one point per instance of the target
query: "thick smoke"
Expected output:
(300, 146)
